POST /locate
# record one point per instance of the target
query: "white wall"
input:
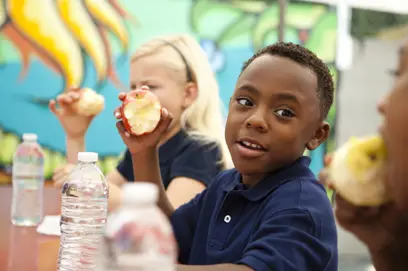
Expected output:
(362, 87)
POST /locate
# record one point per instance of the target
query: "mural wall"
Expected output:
(45, 48)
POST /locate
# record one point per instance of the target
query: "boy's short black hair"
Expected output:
(304, 57)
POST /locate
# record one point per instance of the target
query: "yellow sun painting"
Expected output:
(61, 32)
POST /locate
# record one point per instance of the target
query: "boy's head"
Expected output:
(278, 108)
(306, 58)
(394, 108)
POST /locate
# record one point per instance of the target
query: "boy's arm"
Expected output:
(389, 261)
(146, 169)
(216, 267)
(145, 156)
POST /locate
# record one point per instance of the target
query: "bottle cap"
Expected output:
(139, 193)
(87, 157)
(30, 137)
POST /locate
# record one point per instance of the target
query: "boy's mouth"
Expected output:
(249, 149)
(251, 144)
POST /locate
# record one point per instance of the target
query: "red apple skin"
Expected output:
(131, 96)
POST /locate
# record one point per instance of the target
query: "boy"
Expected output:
(384, 229)
(269, 213)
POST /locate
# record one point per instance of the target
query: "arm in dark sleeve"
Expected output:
(125, 167)
(286, 241)
(200, 162)
(184, 221)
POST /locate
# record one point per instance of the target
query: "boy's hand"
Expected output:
(380, 228)
(324, 173)
(75, 125)
(151, 140)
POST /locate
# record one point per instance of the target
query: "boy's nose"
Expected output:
(382, 104)
(257, 122)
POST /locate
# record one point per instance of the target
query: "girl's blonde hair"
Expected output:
(203, 119)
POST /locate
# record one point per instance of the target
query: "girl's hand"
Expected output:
(60, 174)
(74, 125)
(137, 144)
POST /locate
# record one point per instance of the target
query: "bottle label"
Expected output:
(37, 161)
(151, 243)
(28, 169)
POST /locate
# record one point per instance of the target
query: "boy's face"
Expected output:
(395, 132)
(274, 114)
(403, 58)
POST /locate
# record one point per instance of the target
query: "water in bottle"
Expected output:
(139, 236)
(83, 215)
(28, 183)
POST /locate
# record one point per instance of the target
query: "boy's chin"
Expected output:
(249, 169)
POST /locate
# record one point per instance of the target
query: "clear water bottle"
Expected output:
(28, 183)
(138, 236)
(83, 215)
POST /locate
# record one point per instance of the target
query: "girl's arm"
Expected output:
(75, 127)
(74, 124)
(74, 145)
(114, 177)
(182, 189)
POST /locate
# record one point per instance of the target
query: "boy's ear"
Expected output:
(321, 134)
(190, 94)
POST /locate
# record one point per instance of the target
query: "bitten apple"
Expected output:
(357, 171)
(90, 103)
(141, 111)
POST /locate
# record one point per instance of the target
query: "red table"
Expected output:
(22, 248)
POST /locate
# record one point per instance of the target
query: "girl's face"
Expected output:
(394, 107)
(163, 79)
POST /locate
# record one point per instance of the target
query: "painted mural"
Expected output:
(47, 46)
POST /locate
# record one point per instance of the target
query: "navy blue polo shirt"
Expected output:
(181, 156)
(285, 222)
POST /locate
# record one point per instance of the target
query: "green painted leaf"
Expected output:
(322, 39)
(8, 145)
(267, 22)
(238, 33)
(210, 18)
(304, 16)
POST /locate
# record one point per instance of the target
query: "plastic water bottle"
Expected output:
(28, 183)
(83, 215)
(139, 236)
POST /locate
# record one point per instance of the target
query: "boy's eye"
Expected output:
(133, 87)
(244, 102)
(395, 73)
(285, 113)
